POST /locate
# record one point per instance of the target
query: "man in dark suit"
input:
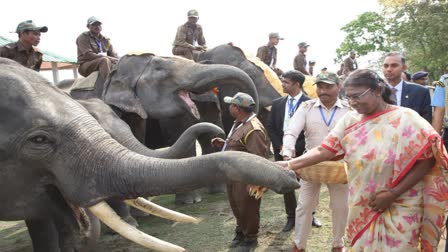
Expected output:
(408, 95)
(282, 110)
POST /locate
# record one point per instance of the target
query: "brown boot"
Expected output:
(295, 249)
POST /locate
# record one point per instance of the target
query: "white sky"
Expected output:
(147, 25)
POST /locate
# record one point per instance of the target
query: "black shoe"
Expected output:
(316, 222)
(237, 240)
(289, 225)
(248, 244)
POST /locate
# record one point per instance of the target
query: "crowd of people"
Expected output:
(389, 131)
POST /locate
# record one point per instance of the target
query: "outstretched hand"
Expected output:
(381, 201)
(283, 164)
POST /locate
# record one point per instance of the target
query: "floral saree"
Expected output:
(380, 150)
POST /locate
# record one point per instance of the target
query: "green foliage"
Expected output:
(367, 33)
(417, 28)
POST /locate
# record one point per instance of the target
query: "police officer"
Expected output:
(23, 51)
(189, 37)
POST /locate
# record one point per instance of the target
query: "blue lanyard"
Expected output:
(292, 109)
(325, 119)
(99, 44)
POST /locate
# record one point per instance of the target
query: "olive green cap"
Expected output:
(29, 25)
(240, 99)
(328, 78)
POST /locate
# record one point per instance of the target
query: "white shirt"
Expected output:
(309, 119)
(399, 89)
(286, 118)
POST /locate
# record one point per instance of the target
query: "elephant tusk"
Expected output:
(268, 108)
(154, 209)
(103, 211)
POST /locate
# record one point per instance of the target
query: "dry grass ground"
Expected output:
(212, 234)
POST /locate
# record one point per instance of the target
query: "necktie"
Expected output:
(291, 107)
(393, 96)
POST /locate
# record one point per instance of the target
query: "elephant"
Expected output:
(209, 103)
(58, 166)
(120, 131)
(144, 89)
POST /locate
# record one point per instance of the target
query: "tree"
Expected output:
(416, 28)
(367, 33)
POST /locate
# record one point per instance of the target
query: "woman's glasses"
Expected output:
(357, 98)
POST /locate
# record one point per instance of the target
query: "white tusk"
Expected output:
(103, 211)
(154, 209)
(268, 108)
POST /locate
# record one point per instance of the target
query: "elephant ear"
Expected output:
(119, 88)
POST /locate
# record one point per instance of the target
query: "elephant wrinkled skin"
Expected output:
(56, 161)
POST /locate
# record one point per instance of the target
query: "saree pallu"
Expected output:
(380, 150)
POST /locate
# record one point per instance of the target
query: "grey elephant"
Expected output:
(120, 131)
(58, 166)
(145, 88)
(209, 103)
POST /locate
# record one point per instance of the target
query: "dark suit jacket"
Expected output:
(417, 97)
(275, 126)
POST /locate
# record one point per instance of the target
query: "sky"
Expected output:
(145, 25)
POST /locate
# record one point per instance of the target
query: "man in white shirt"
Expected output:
(316, 118)
(282, 110)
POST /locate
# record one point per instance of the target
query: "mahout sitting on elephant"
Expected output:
(58, 166)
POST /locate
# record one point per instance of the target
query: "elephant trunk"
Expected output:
(180, 149)
(209, 76)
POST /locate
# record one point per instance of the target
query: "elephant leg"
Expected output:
(44, 236)
(171, 129)
(211, 113)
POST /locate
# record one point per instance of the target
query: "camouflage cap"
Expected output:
(240, 99)
(329, 78)
(193, 13)
(93, 20)
(29, 25)
(303, 44)
(275, 35)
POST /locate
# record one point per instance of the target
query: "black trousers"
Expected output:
(289, 199)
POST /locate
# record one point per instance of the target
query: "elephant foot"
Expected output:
(217, 188)
(187, 198)
(197, 197)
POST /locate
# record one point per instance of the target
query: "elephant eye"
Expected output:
(40, 140)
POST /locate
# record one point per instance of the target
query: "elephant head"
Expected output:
(121, 132)
(231, 55)
(55, 158)
(161, 86)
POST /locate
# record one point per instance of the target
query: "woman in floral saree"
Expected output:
(397, 170)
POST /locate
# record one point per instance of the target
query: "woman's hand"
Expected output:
(382, 200)
(283, 164)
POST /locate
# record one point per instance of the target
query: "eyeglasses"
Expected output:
(357, 98)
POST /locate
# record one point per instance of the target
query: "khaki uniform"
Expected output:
(90, 57)
(300, 63)
(187, 37)
(350, 65)
(250, 137)
(28, 58)
(268, 54)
